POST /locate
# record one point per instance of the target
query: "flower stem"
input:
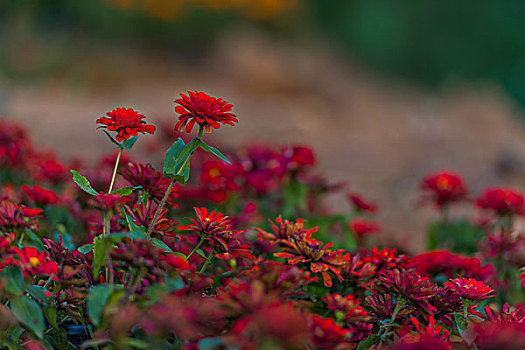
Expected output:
(115, 171)
(106, 215)
(195, 249)
(159, 208)
(206, 263)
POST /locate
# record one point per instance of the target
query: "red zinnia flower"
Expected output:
(313, 253)
(126, 122)
(205, 110)
(502, 201)
(470, 288)
(40, 195)
(444, 188)
(151, 181)
(34, 263)
(362, 227)
(408, 287)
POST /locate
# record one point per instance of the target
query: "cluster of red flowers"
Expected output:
(151, 264)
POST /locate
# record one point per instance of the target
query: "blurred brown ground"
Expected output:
(380, 134)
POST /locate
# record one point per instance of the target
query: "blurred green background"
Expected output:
(420, 40)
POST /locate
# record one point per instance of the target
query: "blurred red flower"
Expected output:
(502, 201)
(444, 187)
(203, 109)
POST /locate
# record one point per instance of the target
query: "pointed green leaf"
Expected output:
(51, 316)
(128, 144)
(161, 245)
(86, 248)
(177, 160)
(134, 227)
(14, 280)
(126, 191)
(201, 253)
(29, 314)
(100, 252)
(213, 151)
(83, 182)
(96, 301)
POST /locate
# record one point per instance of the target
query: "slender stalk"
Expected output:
(106, 215)
(115, 170)
(206, 263)
(195, 249)
(159, 208)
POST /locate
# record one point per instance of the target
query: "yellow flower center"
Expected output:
(34, 261)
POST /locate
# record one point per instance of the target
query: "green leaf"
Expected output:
(83, 182)
(201, 253)
(134, 227)
(177, 160)
(461, 324)
(213, 151)
(368, 342)
(100, 252)
(29, 313)
(96, 301)
(86, 248)
(51, 316)
(126, 191)
(14, 280)
(37, 292)
(161, 245)
(128, 144)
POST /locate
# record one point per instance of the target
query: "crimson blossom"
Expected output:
(502, 201)
(126, 122)
(203, 109)
(444, 188)
(470, 288)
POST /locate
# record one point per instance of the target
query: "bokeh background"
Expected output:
(383, 91)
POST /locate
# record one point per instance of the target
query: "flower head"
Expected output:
(203, 109)
(126, 122)
(362, 227)
(150, 181)
(408, 287)
(470, 288)
(502, 201)
(444, 187)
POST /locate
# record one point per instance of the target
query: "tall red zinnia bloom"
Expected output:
(203, 109)
(126, 122)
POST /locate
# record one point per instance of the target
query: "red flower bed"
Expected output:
(242, 254)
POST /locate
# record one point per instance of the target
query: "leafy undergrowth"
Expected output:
(122, 256)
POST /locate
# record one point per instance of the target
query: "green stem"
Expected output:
(159, 208)
(106, 215)
(206, 263)
(115, 171)
(201, 130)
(195, 249)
